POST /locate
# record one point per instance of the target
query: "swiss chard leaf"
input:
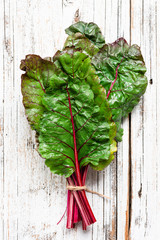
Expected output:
(90, 30)
(75, 84)
(121, 70)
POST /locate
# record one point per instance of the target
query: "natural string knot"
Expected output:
(80, 188)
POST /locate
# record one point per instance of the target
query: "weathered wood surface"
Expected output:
(32, 200)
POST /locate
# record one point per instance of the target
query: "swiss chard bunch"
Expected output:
(75, 101)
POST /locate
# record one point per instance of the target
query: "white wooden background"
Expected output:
(32, 200)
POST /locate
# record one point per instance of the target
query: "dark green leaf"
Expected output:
(121, 69)
(90, 30)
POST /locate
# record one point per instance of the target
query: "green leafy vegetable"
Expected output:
(76, 101)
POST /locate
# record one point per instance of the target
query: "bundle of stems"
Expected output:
(78, 208)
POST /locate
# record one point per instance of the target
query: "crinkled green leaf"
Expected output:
(82, 44)
(122, 67)
(76, 82)
(90, 30)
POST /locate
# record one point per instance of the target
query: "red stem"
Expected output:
(76, 214)
(77, 217)
(78, 174)
(72, 204)
(70, 208)
(82, 200)
(88, 217)
(114, 79)
(79, 203)
(84, 175)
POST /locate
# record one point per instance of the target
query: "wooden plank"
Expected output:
(156, 190)
(144, 205)
(123, 171)
(137, 138)
(1, 120)
(98, 178)
(110, 181)
(10, 127)
(152, 131)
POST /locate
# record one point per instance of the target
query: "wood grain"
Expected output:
(32, 200)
